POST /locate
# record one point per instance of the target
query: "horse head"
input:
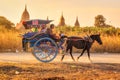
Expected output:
(97, 38)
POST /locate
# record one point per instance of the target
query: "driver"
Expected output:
(50, 31)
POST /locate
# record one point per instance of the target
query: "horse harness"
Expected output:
(86, 38)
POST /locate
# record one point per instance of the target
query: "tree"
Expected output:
(100, 21)
(6, 23)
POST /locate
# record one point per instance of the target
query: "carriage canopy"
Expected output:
(35, 23)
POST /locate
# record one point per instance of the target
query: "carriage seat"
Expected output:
(29, 37)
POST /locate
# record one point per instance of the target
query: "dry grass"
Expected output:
(9, 41)
(110, 44)
(59, 71)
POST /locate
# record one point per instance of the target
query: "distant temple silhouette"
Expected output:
(25, 16)
(77, 22)
(47, 18)
(62, 21)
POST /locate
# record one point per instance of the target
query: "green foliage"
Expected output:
(100, 21)
(6, 23)
(110, 31)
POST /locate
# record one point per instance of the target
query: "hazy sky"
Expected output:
(86, 10)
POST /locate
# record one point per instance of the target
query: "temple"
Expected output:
(77, 23)
(62, 21)
(25, 16)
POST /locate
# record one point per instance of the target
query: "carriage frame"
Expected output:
(45, 49)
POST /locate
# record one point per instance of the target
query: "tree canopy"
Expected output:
(100, 21)
(6, 23)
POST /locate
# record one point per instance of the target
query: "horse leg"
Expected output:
(71, 54)
(88, 51)
(64, 54)
(62, 57)
(81, 54)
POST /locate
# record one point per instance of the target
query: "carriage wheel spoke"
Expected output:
(45, 49)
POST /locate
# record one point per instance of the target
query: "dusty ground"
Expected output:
(19, 66)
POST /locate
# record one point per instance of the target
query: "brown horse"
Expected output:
(81, 43)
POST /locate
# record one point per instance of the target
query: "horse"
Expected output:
(81, 43)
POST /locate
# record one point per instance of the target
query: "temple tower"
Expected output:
(77, 22)
(25, 16)
(62, 21)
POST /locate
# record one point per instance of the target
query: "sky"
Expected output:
(86, 10)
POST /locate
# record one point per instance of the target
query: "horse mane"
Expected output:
(75, 37)
(94, 35)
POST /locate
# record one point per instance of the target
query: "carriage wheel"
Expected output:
(45, 49)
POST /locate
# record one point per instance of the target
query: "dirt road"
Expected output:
(28, 57)
(24, 66)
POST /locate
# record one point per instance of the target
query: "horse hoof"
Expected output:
(77, 59)
(74, 60)
(91, 61)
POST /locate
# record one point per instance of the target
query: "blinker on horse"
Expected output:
(81, 43)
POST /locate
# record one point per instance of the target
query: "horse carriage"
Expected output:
(44, 48)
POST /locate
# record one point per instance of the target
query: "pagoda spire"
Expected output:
(77, 22)
(62, 21)
(47, 18)
(25, 15)
(25, 7)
